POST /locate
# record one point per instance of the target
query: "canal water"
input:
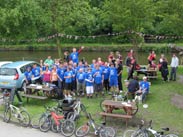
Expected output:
(88, 56)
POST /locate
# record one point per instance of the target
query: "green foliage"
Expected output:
(29, 19)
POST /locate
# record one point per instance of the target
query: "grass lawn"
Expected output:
(160, 110)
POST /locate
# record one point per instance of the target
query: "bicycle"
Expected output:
(124, 98)
(57, 123)
(78, 107)
(147, 131)
(20, 114)
(99, 130)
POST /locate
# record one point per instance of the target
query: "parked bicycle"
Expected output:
(78, 107)
(57, 123)
(99, 130)
(147, 132)
(19, 113)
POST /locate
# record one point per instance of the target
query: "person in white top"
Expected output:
(174, 65)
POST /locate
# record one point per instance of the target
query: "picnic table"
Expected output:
(111, 105)
(149, 73)
(33, 89)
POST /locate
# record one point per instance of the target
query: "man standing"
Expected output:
(74, 56)
(174, 64)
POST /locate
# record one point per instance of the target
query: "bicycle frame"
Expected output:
(56, 118)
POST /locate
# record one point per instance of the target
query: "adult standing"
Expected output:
(119, 67)
(164, 69)
(49, 62)
(74, 56)
(174, 65)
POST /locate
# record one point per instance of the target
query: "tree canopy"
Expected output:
(29, 19)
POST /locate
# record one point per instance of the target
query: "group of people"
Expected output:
(73, 76)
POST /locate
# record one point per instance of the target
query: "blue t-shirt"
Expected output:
(106, 71)
(144, 85)
(89, 76)
(98, 77)
(36, 72)
(113, 74)
(60, 73)
(80, 77)
(74, 57)
(68, 73)
(28, 75)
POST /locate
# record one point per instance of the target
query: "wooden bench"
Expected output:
(127, 117)
(33, 96)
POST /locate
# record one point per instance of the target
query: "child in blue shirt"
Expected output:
(89, 82)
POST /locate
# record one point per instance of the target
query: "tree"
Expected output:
(131, 15)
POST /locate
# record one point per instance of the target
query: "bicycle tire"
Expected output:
(140, 133)
(171, 135)
(107, 132)
(71, 116)
(24, 118)
(67, 128)
(82, 131)
(44, 123)
(35, 121)
(54, 127)
(7, 115)
(129, 133)
(135, 110)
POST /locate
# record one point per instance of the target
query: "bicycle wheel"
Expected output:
(67, 128)
(24, 118)
(7, 114)
(140, 133)
(135, 109)
(171, 135)
(102, 107)
(71, 116)
(44, 123)
(107, 132)
(82, 131)
(54, 127)
(129, 133)
(35, 121)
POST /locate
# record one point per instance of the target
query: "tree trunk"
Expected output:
(59, 48)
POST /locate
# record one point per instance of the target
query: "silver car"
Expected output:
(12, 75)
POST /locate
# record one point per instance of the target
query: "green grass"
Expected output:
(160, 110)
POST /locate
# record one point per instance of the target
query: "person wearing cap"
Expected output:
(144, 88)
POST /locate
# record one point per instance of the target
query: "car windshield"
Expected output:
(7, 71)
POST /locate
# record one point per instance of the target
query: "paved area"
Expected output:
(14, 130)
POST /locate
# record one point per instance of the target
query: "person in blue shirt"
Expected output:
(60, 72)
(98, 80)
(113, 78)
(68, 75)
(106, 71)
(74, 56)
(36, 73)
(28, 75)
(80, 78)
(89, 83)
(144, 88)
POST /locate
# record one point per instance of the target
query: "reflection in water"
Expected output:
(36, 56)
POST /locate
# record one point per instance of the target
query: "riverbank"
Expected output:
(157, 47)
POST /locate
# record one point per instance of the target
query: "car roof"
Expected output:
(17, 64)
(4, 62)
